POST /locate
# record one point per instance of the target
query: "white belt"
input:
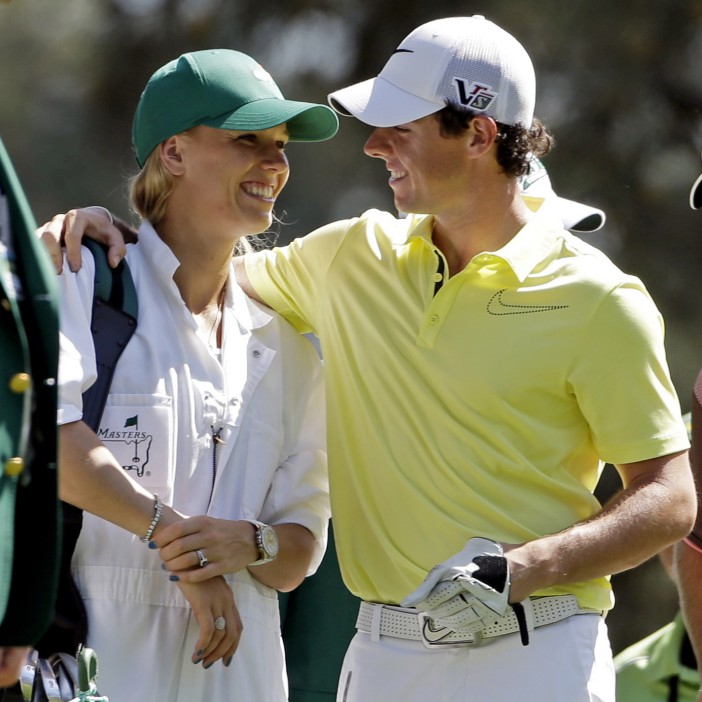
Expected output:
(407, 623)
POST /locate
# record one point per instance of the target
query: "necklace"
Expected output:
(214, 338)
(209, 324)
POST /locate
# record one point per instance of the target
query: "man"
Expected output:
(688, 553)
(481, 365)
(470, 359)
(314, 656)
(29, 507)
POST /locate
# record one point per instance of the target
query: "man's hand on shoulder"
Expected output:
(67, 230)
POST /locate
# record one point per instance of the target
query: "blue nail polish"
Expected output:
(207, 665)
(200, 653)
(196, 661)
(173, 578)
(228, 662)
(163, 566)
(153, 545)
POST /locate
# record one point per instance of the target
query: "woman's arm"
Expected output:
(90, 478)
(230, 546)
(297, 503)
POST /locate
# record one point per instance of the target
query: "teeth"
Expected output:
(265, 191)
(398, 174)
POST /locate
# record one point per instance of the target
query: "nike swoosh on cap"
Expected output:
(497, 306)
(403, 51)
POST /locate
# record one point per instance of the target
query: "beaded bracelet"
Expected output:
(158, 510)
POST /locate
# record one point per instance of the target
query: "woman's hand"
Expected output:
(227, 545)
(201, 547)
(210, 601)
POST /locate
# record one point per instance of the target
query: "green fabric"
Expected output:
(644, 670)
(30, 525)
(224, 89)
(318, 622)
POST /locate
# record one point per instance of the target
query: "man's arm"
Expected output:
(69, 229)
(655, 508)
(242, 279)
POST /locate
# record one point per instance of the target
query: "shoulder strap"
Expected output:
(114, 320)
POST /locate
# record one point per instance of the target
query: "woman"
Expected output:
(215, 405)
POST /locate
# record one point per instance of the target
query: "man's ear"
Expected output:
(170, 154)
(482, 135)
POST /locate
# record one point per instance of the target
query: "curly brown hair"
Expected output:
(515, 144)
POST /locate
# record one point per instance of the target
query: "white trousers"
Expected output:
(569, 661)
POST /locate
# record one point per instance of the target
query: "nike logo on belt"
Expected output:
(433, 635)
(497, 306)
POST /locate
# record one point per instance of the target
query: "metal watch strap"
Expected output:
(263, 555)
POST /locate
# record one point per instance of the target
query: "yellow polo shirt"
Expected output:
(478, 405)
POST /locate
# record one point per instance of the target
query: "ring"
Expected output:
(220, 623)
(202, 559)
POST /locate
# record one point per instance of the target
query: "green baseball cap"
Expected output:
(225, 89)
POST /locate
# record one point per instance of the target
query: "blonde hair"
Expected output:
(150, 189)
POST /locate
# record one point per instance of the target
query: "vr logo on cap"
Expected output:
(477, 96)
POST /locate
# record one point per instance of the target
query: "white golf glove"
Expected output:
(467, 591)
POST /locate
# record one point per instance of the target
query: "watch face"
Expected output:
(269, 541)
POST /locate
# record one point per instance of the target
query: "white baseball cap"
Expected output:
(696, 194)
(537, 192)
(465, 61)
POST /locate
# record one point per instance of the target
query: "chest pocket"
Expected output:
(138, 430)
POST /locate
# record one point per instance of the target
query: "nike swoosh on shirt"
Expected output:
(403, 51)
(497, 306)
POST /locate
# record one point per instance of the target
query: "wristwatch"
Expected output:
(266, 542)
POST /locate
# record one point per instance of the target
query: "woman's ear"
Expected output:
(170, 154)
